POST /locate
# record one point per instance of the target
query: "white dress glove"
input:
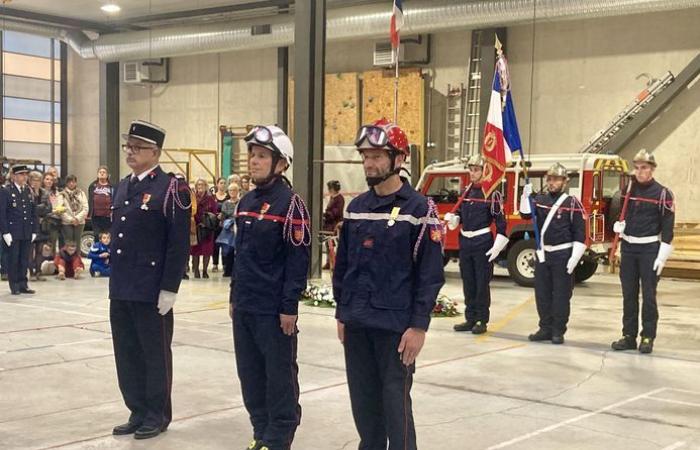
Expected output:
(452, 220)
(499, 244)
(525, 199)
(619, 226)
(661, 257)
(166, 300)
(576, 254)
(33, 237)
(7, 237)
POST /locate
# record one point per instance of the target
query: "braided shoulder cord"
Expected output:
(172, 191)
(431, 214)
(298, 205)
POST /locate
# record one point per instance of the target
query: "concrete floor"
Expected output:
(58, 385)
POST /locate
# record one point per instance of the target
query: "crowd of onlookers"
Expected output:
(63, 209)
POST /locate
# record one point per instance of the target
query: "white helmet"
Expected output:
(272, 138)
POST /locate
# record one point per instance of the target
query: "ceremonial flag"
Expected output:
(396, 23)
(501, 136)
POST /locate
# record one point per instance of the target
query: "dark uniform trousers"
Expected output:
(380, 389)
(18, 255)
(266, 360)
(476, 272)
(553, 290)
(142, 340)
(637, 268)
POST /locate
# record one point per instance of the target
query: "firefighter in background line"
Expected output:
(646, 233)
(387, 276)
(269, 273)
(477, 247)
(560, 218)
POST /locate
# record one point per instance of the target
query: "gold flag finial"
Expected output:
(499, 46)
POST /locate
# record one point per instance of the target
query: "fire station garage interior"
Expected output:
(527, 84)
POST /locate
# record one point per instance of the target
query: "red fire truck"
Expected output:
(595, 179)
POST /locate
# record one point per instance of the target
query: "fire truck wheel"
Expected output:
(521, 262)
(585, 270)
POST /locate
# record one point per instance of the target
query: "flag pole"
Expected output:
(533, 212)
(396, 82)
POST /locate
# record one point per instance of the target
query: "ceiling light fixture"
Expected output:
(111, 8)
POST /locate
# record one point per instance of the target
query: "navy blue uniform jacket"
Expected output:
(476, 212)
(388, 275)
(150, 237)
(17, 213)
(650, 212)
(567, 225)
(271, 262)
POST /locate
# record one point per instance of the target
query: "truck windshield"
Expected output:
(444, 189)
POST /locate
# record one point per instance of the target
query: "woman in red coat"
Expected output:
(206, 204)
(334, 213)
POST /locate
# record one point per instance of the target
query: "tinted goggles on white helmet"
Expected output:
(263, 136)
(376, 136)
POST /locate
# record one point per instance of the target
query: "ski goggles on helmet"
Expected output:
(376, 136)
(263, 136)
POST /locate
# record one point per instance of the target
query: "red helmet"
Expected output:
(382, 134)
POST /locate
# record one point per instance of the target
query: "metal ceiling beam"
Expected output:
(66, 22)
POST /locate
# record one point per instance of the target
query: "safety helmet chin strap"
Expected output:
(373, 181)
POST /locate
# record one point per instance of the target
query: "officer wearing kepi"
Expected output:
(646, 233)
(387, 276)
(150, 246)
(560, 218)
(19, 227)
(269, 275)
(477, 247)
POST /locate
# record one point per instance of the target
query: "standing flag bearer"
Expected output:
(646, 232)
(563, 236)
(269, 274)
(477, 247)
(387, 276)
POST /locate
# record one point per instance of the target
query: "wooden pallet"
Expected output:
(685, 259)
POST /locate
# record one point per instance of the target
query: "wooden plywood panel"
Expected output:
(342, 112)
(378, 100)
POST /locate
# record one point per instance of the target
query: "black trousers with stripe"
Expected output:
(142, 341)
(476, 272)
(266, 360)
(553, 290)
(380, 389)
(637, 268)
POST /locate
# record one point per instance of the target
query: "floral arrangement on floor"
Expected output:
(320, 296)
(445, 307)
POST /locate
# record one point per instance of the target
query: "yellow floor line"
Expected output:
(217, 304)
(512, 314)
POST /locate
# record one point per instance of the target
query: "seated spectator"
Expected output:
(68, 262)
(46, 263)
(99, 255)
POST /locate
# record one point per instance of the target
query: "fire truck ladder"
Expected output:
(645, 107)
(599, 142)
(470, 121)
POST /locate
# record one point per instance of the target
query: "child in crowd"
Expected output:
(99, 254)
(45, 260)
(68, 262)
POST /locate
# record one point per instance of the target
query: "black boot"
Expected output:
(254, 445)
(647, 345)
(626, 343)
(558, 339)
(479, 327)
(465, 326)
(540, 335)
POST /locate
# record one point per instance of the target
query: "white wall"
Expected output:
(83, 119)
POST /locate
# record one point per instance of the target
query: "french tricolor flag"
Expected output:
(396, 23)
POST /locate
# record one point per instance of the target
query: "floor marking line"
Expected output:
(46, 308)
(675, 402)
(684, 390)
(678, 444)
(473, 355)
(510, 315)
(574, 419)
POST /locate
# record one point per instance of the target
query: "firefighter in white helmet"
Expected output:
(647, 233)
(477, 247)
(269, 275)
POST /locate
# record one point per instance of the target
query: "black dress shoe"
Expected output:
(149, 431)
(127, 428)
(558, 339)
(479, 327)
(626, 343)
(465, 326)
(540, 335)
(27, 291)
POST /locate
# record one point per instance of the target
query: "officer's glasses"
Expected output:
(263, 136)
(376, 136)
(136, 149)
